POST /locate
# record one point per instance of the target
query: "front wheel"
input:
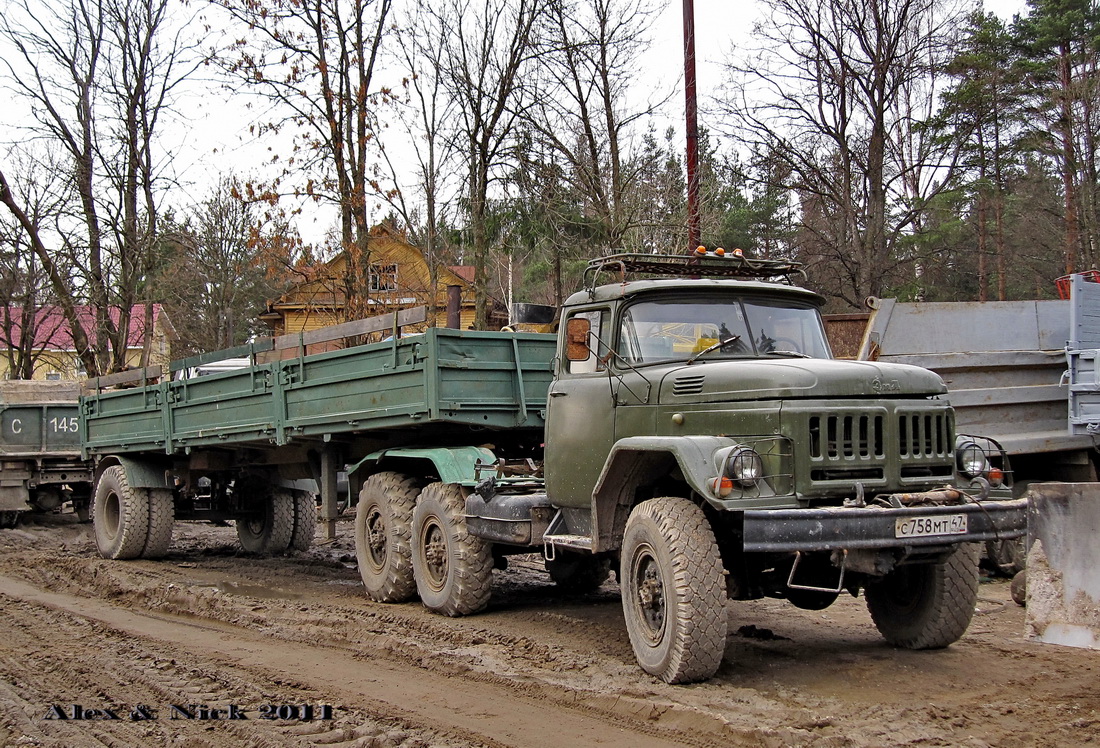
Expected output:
(673, 591)
(453, 569)
(926, 606)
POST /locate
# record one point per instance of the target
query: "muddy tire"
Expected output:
(1008, 557)
(1018, 588)
(162, 516)
(926, 606)
(577, 573)
(305, 521)
(120, 516)
(271, 530)
(383, 536)
(8, 520)
(453, 569)
(673, 591)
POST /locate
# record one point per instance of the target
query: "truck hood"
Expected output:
(766, 379)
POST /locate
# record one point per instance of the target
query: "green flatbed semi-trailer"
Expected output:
(690, 426)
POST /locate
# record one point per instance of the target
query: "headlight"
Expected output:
(972, 460)
(744, 466)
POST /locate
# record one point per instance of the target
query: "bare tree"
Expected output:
(583, 110)
(24, 288)
(99, 75)
(212, 275)
(486, 55)
(832, 90)
(425, 113)
(316, 61)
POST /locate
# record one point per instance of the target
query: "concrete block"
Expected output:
(1063, 564)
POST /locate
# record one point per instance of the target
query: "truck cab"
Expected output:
(706, 358)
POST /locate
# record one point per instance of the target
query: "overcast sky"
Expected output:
(216, 139)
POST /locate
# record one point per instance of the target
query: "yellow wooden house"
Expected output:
(399, 279)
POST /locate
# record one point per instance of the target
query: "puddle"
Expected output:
(255, 590)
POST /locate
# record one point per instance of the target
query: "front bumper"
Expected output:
(871, 527)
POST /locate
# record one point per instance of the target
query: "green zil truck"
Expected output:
(688, 425)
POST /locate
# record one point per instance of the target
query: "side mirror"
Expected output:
(577, 330)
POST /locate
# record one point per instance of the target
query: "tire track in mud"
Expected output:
(127, 671)
(475, 707)
(825, 680)
(461, 648)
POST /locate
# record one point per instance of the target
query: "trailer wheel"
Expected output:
(162, 515)
(673, 591)
(305, 521)
(578, 573)
(120, 516)
(269, 532)
(926, 606)
(383, 536)
(453, 569)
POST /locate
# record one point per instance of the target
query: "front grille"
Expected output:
(887, 446)
(924, 435)
(852, 435)
(846, 435)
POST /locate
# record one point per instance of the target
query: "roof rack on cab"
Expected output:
(699, 264)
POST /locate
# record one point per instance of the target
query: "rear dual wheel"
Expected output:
(305, 521)
(271, 529)
(383, 536)
(453, 569)
(131, 522)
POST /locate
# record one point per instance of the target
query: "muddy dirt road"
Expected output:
(267, 637)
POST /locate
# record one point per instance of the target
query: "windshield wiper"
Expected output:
(714, 347)
(796, 354)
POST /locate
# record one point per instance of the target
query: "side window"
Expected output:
(597, 342)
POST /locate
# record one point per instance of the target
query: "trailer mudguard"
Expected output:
(139, 473)
(451, 464)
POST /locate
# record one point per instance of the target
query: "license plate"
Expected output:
(919, 527)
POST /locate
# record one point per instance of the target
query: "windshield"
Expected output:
(733, 327)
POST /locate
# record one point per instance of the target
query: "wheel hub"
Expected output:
(649, 592)
(435, 556)
(112, 515)
(376, 538)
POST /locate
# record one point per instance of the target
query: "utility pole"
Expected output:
(692, 112)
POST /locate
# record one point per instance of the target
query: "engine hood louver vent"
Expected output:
(690, 384)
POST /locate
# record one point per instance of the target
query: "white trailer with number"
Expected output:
(40, 464)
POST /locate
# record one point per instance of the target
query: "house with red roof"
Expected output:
(53, 348)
